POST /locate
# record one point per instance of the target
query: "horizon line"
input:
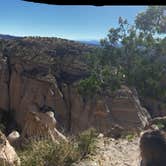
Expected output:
(76, 39)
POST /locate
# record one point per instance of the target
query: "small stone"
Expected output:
(101, 135)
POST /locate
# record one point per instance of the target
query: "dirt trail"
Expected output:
(112, 152)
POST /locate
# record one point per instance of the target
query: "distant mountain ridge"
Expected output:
(96, 43)
(4, 36)
(91, 42)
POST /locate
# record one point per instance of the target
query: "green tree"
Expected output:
(153, 20)
(132, 55)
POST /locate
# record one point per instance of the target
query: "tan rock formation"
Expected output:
(33, 90)
(124, 109)
(8, 156)
(85, 115)
(40, 125)
(127, 111)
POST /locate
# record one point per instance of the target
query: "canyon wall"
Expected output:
(33, 79)
(30, 87)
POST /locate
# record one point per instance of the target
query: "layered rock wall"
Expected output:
(29, 86)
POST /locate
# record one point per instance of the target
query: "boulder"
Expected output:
(14, 138)
(153, 148)
(8, 156)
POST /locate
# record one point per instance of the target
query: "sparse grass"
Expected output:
(86, 142)
(47, 153)
(129, 136)
(160, 125)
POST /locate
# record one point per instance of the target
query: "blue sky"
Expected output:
(22, 18)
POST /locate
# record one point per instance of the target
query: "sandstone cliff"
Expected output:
(40, 75)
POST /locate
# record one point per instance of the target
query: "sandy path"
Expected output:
(115, 153)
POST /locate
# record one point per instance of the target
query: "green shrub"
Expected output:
(86, 142)
(63, 154)
(34, 153)
(48, 153)
(160, 125)
(89, 87)
(129, 136)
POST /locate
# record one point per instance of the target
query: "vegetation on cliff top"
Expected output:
(44, 50)
(131, 55)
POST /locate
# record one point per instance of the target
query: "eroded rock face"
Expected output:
(40, 125)
(85, 115)
(4, 84)
(8, 156)
(124, 109)
(34, 91)
(127, 111)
